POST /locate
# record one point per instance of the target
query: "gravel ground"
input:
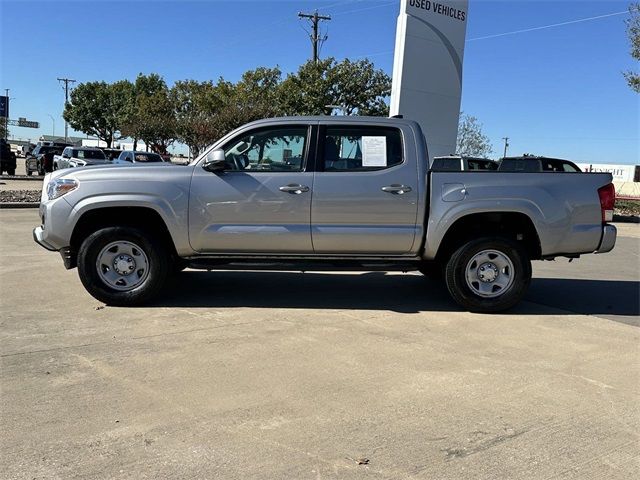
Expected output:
(22, 196)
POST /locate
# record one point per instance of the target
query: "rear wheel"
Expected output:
(123, 266)
(488, 274)
(11, 171)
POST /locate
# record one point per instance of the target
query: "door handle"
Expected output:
(294, 189)
(396, 189)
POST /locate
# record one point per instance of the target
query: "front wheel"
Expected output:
(488, 274)
(123, 266)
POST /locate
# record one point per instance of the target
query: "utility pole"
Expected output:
(6, 119)
(506, 145)
(315, 39)
(66, 82)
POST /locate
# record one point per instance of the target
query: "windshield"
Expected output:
(89, 154)
(148, 157)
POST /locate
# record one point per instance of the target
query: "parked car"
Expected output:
(305, 193)
(457, 163)
(40, 160)
(129, 156)
(111, 153)
(534, 163)
(7, 158)
(79, 157)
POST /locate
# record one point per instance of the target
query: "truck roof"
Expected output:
(333, 119)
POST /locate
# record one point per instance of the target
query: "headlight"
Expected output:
(60, 186)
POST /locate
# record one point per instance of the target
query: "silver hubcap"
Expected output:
(122, 265)
(489, 273)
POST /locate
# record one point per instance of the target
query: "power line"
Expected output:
(66, 82)
(315, 38)
(514, 32)
(570, 22)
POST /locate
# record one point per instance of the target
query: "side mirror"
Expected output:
(64, 155)
(215, 161)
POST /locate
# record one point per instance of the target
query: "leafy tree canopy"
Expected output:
(471, 140)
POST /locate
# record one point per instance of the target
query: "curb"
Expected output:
(36, 178)
(19, 204)
(626, 219)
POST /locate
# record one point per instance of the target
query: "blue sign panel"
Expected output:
(4, 107)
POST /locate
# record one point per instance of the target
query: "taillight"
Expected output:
(607, 196)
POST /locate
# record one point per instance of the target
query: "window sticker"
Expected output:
(374, 151)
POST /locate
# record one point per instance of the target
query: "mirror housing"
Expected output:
(215, 161)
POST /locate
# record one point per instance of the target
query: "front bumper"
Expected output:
(68, 256)
(608, 241)
(38, 237)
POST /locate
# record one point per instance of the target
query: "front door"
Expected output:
(365, 193)
(261, 203)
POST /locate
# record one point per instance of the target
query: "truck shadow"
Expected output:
(379, 291)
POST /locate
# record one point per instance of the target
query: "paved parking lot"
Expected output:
(292, 375)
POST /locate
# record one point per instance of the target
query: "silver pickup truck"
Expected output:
(321, 193)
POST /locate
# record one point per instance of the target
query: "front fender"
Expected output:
(174, 215)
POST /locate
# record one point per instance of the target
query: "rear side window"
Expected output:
(89, 154)
(446, 165)
(348, 148)
(148, 157)
(482, 165)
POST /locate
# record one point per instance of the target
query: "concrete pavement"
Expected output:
(292, 375)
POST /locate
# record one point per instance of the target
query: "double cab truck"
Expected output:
(321, 193)
(79, 157)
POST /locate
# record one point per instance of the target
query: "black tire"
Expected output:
(11, 171)
(29, 172)
(464, 295)
(158, 266)
(40, 168)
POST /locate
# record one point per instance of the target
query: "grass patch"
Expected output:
(627, 207)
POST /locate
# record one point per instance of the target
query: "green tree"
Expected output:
(361, 89)
(256, 95)
(310, 90)
(471, 141)
(356, 87)
(633, 31)
(196, 105)
(150, 115)
(96, 108)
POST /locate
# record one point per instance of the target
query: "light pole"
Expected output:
(53, 128)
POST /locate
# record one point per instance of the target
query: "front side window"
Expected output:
(361, 148)
(279, 149)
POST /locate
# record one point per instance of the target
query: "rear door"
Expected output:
(261, 203)
(365, 192)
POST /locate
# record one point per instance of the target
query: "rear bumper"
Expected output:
(608, 241)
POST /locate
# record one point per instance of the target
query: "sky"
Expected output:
(555, 91)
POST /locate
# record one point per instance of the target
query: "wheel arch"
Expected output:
(142, 217)
(514, 225)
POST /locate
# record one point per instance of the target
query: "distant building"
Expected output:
(52, 138)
